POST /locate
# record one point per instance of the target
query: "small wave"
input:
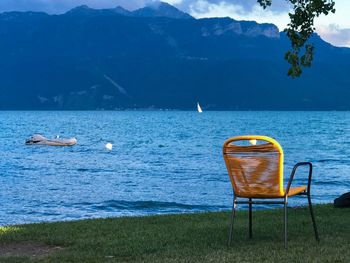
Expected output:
(82, 169)
(330, 182)
(146, 206)
(94, 170)
(331, 161)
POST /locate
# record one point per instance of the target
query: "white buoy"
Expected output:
(252, 142)
(109, 146)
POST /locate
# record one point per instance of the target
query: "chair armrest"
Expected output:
(293, 173)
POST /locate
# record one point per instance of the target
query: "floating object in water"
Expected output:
(109, 146)
(41, 140)
(199, 109)
(252, 142)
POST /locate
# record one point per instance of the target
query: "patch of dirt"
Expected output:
(27, 249)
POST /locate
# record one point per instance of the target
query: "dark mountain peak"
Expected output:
(122, 11)
(82, 9)
(86, 10)
(161, 9)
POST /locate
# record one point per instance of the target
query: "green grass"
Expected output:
(198, 237)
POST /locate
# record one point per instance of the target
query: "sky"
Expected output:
(334, 28)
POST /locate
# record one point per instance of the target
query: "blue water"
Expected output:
(161, 162)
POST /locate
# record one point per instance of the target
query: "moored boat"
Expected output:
(38, 139)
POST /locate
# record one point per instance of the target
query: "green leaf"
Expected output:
(300, 29)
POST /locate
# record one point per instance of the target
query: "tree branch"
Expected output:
(300, 29)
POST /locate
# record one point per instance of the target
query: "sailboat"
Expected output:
(199, 108)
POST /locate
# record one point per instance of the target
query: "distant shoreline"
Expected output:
(172, 110)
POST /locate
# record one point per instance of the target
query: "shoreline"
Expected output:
(195, 237)
(240, 208)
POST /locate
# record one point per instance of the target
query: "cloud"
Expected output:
(246, 6)
(242, 10)
(335, 35)
(174, 2)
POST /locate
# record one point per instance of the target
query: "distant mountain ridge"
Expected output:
(155, 9)
(160, 9)
(159, 57)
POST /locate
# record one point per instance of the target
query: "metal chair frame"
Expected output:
(284, 202)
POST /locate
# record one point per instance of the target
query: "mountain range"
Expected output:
(159, 57)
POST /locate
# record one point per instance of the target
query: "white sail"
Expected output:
(199, 108)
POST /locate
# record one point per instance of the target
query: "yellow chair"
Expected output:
(255, 167)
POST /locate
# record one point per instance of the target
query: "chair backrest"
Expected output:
(255, 166)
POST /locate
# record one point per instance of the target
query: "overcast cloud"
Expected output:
(335, 35)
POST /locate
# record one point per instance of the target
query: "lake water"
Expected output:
(161, 162)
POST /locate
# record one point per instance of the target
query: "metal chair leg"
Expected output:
(250, 219)
(233, 214)
(313, 219)
(285, 223)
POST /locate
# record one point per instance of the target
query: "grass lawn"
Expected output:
(200, 237)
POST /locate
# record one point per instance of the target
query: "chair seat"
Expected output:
(264, 193)
(296, 190)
